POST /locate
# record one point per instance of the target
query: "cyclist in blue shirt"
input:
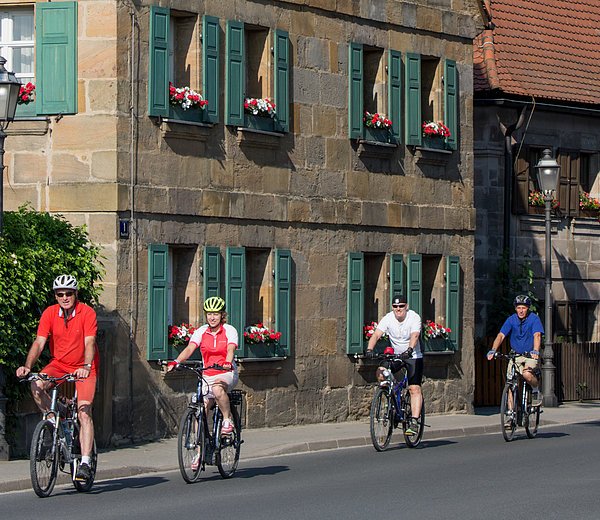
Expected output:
(524, 330)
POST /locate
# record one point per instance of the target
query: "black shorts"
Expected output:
(414, 370)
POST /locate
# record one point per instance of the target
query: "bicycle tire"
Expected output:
(412, 441)
(84, 487)
(508, 419)
(381, 420)
(190, 443)
(43, 459)
(532, 418)
(228, 454)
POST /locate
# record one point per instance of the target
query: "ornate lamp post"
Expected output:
(547, 174)
(9, 95)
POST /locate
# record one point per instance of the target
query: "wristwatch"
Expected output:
(88, 366)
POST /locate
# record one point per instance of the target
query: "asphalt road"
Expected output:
(555, 476)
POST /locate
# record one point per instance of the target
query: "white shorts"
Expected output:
(229, 378)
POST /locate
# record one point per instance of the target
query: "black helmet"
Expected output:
(522, 299)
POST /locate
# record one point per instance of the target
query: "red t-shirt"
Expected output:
(67, 344)
(213, 347)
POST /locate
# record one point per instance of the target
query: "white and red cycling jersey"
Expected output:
(213, 345)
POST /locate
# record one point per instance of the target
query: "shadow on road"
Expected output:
(125, 483)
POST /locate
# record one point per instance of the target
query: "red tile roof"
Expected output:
(544, 48)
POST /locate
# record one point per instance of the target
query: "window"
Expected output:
(177, 48)
(578, 172)
(375, 81)
(431, 286)
(575, 321)
(253, 71)
(54, 46)
(431, 95)
(256, 284)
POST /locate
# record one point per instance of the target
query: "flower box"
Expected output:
(192, 114)
(589, 213)
(263, 350)
(256, 122)
(378, 135)
(434, 142)
(437, 345)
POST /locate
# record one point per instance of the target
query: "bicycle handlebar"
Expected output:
(41, 376)
(193, 365)
(389, 357)
(512, 354)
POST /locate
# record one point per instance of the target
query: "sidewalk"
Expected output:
(161, 456)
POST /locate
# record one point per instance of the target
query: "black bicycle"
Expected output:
(199, 445)
(516, 408)
(391, 407)
(55, 442)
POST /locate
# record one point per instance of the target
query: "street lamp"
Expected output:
(9, 95)
(547, 174)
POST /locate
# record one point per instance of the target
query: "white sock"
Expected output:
(85, 459)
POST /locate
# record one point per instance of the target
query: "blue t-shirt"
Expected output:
(520, 332)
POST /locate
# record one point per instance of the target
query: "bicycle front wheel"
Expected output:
(412, 441)
(43, 459)
(190, 446)
(228, 453)
(532, 418)
(508, 415)
(381, 419)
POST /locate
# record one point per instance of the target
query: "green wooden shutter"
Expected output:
(158, 290)
(212, 272)
(158, 62)
(56, 58)
(453, 299)
(451, 102)
(355, 91)
(355, 317)
(395, 93)
(396, 275)
(282, 80)
(235, 75)
(413, 100)
(235, 290)
(283, 297)
(414, 275)
(210, 67)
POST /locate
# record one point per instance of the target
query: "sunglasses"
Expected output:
(399, 305)
(63, 294)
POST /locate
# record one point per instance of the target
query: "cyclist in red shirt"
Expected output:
(217, 341)
(70, 326)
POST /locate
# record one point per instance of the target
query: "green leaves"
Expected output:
(34, 249)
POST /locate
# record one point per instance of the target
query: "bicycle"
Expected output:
(196, 439)
(391, 407)
(52, 447)
(518, 394)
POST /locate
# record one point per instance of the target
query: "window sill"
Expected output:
(439, 352)
(369, 148)
(34, 125)
(258, 138)
(179, 129)
(260, 367)
(433, 156)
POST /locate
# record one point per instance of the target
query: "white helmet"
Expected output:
(65, 281)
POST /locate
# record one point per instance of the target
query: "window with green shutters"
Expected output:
(251, 73)
(375, 86)
(175, 57)
(55, 66)
(431, 94)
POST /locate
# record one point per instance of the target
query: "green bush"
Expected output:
(34, 249)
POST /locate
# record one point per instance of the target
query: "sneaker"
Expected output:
(537, 398)
(84, 473)
(227, 427)
(413, 427)
(195, 462)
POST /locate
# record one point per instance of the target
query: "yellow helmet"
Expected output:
(214, 304)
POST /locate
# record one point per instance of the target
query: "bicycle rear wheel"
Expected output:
(412, 441)
(381, 419)
(228, 453)
(84, 487)
(508, 415)
(190, 446)
(43, 459)
(532, 417)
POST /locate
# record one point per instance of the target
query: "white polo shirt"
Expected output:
(399, 332)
